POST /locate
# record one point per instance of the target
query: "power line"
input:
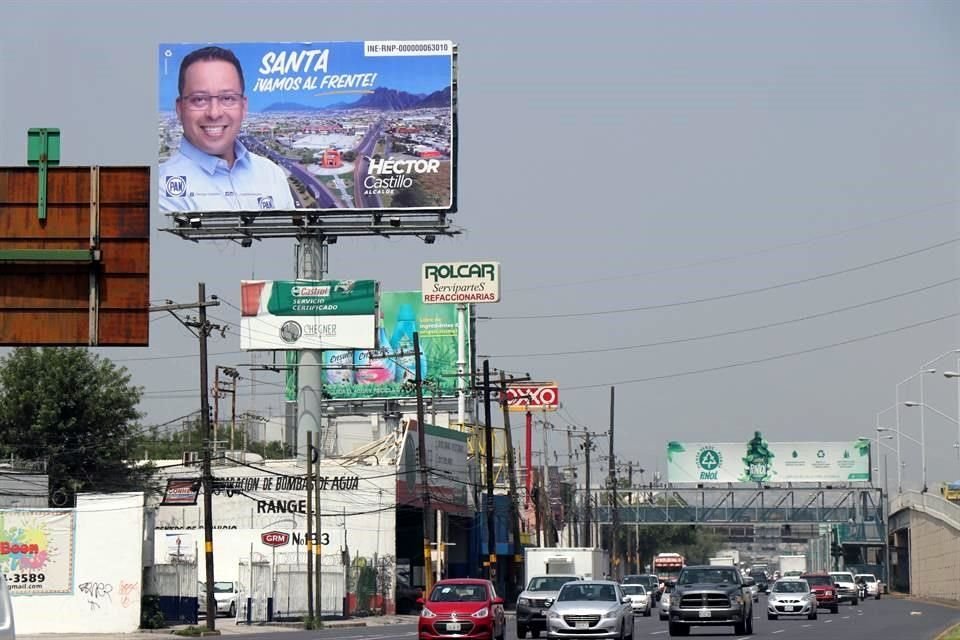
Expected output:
(734, 257)
(727, 296)
(731, 332)
(781, 356)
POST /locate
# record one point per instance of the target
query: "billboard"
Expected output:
(308, 314)
(181, 492)
(289, 126)
(36, 551)
(762, 461)
(533, 397)
(387, 371)
(449, 476)
(461, 282)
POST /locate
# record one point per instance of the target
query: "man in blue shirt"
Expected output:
(212, 170)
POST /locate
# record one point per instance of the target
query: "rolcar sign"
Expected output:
(460, 282)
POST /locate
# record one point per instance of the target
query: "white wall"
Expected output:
(368, 529)
(108, 558)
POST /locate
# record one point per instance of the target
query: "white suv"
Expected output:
(846, 587)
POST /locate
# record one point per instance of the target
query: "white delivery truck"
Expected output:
(584, 562)
(730, 553)
(792, 566)
(723, 561)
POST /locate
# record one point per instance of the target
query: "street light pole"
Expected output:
(956, 374)
(899, 466)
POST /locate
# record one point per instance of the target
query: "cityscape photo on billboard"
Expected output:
(312, 126)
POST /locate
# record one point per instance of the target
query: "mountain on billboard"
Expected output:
(382, 99)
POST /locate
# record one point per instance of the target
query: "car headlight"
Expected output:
(482, 613)
(738, 599)
(553, 615)
(426, 613)
(523, 602)
(611, 614)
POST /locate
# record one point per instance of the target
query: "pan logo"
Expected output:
(709, 461)
(176, 185)
(265, 202)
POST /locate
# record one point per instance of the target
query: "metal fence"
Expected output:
(175, 586)
(274, 586)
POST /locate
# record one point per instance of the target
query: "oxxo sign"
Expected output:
(544, 397)
(460, 282)
(275, 538)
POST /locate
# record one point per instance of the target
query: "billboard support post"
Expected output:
(311, 260)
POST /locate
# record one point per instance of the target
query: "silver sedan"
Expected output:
(595, 608)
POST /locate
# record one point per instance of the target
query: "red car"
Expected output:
(822, 586)
(462, 608)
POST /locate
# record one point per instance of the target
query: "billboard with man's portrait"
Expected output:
(306, 126)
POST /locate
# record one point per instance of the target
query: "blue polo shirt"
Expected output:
(192, 180)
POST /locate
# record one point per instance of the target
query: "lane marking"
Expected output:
(806, 625)
(656, 633)
(846, 617)
(779, 630)
(827, 621)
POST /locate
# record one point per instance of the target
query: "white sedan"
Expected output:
(640, 599)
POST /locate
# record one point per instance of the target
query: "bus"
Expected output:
(667, 566)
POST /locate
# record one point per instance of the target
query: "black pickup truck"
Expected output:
(711, 596)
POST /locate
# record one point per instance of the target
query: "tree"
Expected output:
(76, 412)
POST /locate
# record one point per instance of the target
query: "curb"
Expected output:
(943, 634)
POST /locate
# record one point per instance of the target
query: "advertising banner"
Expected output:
(388, 370)
(449, 475)
(37, 551)
(768, 462)
(533, 397)
(460, 282)
(290, 126)
(308, 314)
(181, 491)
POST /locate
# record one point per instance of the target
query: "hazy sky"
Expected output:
(612, 156)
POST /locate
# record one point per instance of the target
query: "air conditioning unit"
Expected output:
(191, 457)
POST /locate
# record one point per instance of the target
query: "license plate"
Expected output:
(582, 625)
(789, 608)
(453, 626)
(543, 612)
(705, 613)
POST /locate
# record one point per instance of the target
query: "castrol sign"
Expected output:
(275, 538)
(533, 397)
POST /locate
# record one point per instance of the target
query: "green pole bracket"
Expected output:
(50, 255)
(43, 150)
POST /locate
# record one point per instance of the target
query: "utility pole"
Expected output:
(491, 513)
(422, 455)
(310, 535)
(318, 544)
(511, 470)
(587, 446)
(614, 530)
(632, 548)
(203, 329)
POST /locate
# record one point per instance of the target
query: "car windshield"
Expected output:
(223, 587)
(550, 583)
(842, 577)
(711, 576)
(633, 589)
(458, 593)
(867, 577)
(791, 586)
(759, 576)
(572, 592)
(818, 580)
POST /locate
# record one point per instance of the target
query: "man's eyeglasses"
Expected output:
(200, 101)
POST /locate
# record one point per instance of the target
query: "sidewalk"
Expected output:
(228, 627)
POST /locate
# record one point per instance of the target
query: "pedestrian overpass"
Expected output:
(923, 543)
(859, 510)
